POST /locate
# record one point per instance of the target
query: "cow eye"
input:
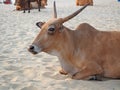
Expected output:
(51, 29)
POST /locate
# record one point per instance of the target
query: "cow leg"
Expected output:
(28, 6)
(96, 77)
(39, 5)
(88, 72)
(24, 10)
(15, 2)
(23, 6)
(63, 72)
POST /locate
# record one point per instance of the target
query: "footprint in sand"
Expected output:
(29, 88)
(54, 74)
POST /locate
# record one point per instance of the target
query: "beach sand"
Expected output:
(20, 70)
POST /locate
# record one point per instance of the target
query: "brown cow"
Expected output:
(83, 52)
(24, 4)
(83, 2)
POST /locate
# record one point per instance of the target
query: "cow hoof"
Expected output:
(96, 78)
(24, 11)
(63, 72)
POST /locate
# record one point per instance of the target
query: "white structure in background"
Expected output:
(1, 1)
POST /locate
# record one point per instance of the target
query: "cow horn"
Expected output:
(54, 12)
(74, 14)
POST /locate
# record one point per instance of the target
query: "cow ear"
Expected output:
(40, 24)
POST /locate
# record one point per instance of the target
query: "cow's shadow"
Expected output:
(54, 74)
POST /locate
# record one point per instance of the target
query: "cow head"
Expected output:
(51, 36)
(43, 3)
(19, 4)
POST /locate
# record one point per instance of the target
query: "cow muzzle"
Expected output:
(34, 49)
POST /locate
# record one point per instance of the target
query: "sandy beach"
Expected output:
(20, 70)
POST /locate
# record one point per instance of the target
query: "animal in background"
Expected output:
(83, 2)
(30, 4)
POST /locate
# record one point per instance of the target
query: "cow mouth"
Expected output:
(33, 52)
(34, 49)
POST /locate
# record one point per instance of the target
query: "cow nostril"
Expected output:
(31, 47)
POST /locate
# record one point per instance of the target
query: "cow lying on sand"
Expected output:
(83, 52)
(30, 4)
